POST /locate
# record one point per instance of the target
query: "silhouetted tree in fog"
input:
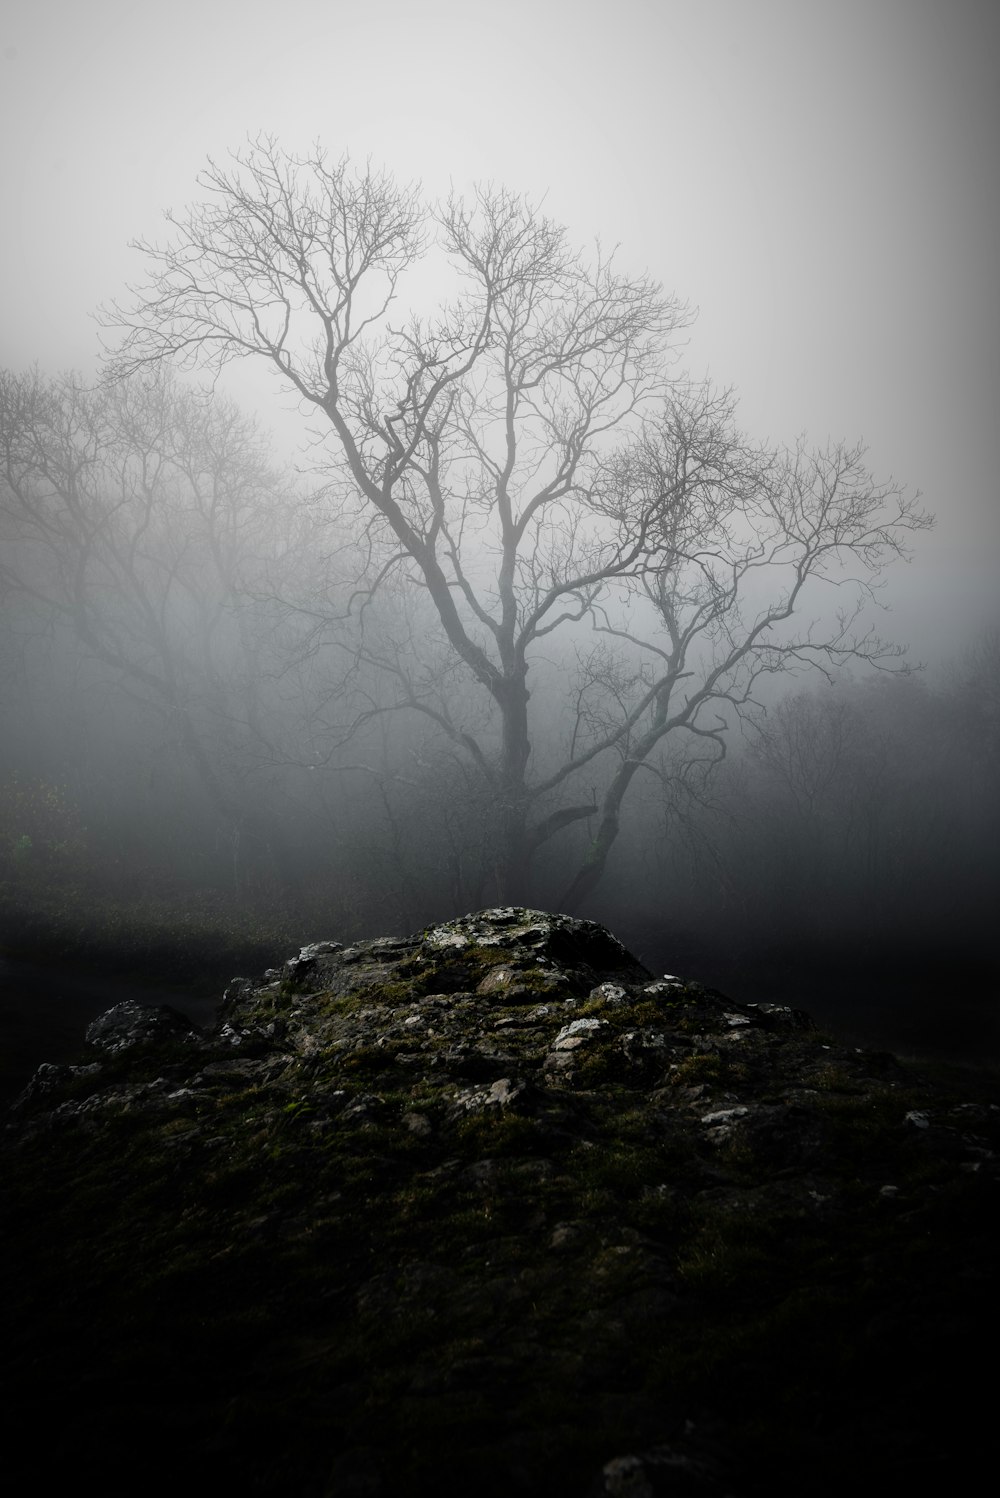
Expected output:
(526, 457)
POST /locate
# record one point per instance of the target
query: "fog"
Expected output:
(220, 698)
(236, 698)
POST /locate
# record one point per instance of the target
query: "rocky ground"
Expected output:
(493, 1210)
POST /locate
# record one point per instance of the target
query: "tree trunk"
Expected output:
(591, 870)
(514, 860)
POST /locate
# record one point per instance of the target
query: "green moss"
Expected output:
(710, 1069)
(659, 1011)
(832, 1079)
(495, 1131)
(394, 994)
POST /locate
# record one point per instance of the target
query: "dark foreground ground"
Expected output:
(491, 1210)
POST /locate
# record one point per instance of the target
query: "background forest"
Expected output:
(211, 727)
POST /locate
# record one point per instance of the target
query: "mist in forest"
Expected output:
(223, 705)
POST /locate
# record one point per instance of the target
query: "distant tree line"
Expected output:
(858, 819)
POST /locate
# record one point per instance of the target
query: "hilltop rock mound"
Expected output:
(493, 1209)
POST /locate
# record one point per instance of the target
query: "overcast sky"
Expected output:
(818, 177)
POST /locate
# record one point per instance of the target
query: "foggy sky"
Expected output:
(817, 178)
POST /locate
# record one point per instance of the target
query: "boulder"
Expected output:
(490, 1208)
(131, 1024)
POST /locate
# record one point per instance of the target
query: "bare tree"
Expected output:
(525, 456)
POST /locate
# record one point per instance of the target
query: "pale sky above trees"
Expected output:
(817, 179)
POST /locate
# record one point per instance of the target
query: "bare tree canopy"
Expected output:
(528, 457)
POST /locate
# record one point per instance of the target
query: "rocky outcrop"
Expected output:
(491, 1209)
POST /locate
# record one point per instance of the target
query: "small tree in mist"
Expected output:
(527, 457)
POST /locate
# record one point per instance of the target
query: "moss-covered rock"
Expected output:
(491, 1209)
